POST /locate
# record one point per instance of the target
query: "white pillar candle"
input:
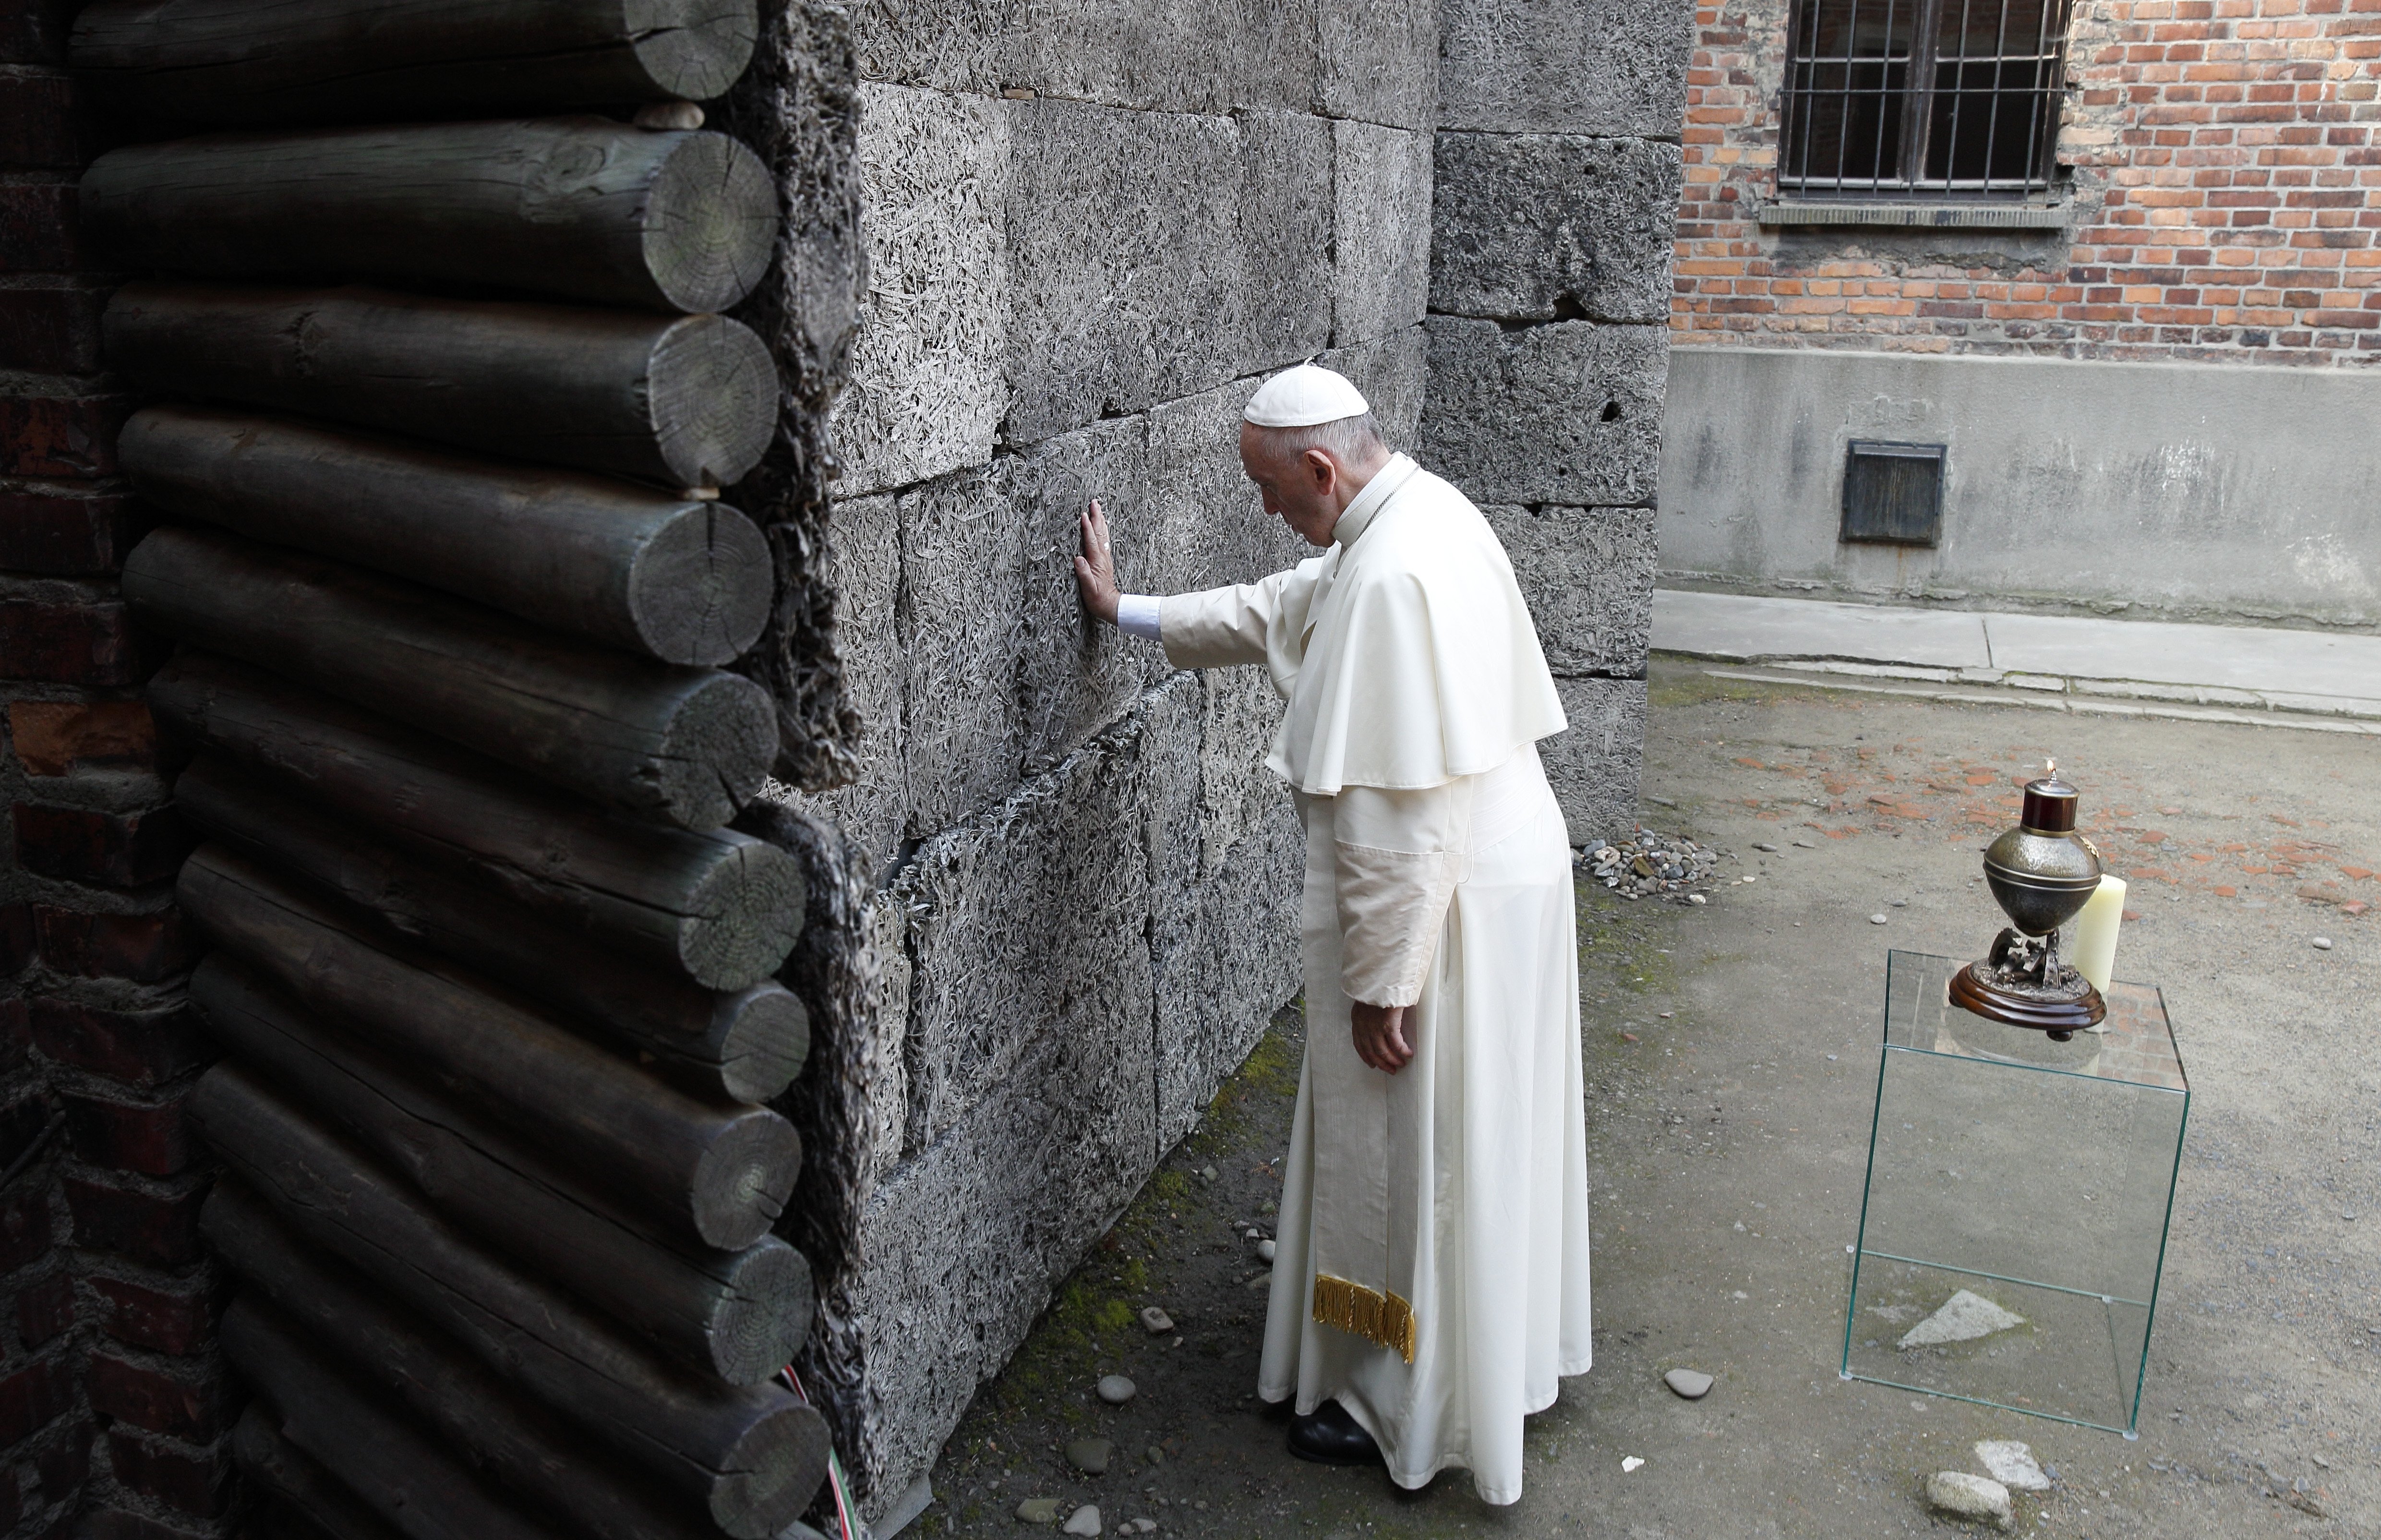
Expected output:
(2093, 951)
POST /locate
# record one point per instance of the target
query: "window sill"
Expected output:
(1913, 215)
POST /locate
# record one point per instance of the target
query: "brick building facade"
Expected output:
(2112, 266)
(2219, 193)
(113, 1395)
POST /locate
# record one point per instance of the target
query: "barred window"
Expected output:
(1922, 98)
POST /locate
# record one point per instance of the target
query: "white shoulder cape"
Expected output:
(1421, 662)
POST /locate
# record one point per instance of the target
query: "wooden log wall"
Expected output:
(440, 425)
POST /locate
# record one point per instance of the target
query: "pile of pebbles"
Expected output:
(1648, 865)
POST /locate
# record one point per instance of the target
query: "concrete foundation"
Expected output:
(2167, 491)
(1093, 227)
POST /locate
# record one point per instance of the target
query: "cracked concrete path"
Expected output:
(1731, 1060)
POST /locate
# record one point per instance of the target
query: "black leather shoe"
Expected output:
(1332, 1437)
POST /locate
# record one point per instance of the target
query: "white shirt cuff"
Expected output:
(1137, 615)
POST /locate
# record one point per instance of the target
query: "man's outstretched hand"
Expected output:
(1095, 568)
(1380, 1033)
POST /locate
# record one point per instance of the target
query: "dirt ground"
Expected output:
(1732, 1055)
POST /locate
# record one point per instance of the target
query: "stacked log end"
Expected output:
(682, 579)
(581, 207)
(444, 425)
(686, 745)
(680, 401)
(237, 62)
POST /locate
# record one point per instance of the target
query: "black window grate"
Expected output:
(1923, 98)
(1893, 492)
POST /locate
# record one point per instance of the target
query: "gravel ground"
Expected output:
(1732, 1065)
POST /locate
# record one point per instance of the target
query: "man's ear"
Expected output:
(1320, 469)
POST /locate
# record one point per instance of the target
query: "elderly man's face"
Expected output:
(1301, 490)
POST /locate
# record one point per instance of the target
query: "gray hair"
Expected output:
(1347, 438)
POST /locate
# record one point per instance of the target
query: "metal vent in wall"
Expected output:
(1893, 492)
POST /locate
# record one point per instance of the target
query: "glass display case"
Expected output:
(2014, 1222)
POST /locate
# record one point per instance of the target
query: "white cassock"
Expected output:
(1432, 1272)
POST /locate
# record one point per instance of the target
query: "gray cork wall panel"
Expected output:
(1209, 57)
(928, 383)
(1074, 675)
(1611, 67)
(1594, 766)
(1226, 856)
(1381, 231)
(1282, 288)
(1569, 412)
(1028, 920)
(1124, 249)
(962, 578)
(1533, 226)
(1588, 577)
(965, 1242)
(1378, 61)
(1205, 526)
(1394, 374)
(864, 565)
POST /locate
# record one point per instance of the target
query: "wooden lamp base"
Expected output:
(2023, 983)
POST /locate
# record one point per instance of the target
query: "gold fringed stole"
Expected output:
(1365, 1312)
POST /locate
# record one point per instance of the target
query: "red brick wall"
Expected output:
(2226, 187)
(113, 1400)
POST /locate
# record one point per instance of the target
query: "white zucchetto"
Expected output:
(1303, 396)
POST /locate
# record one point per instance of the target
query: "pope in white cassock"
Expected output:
(1431, 1282)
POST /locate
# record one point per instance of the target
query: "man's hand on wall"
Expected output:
(1095, 568)
(1380, 1033)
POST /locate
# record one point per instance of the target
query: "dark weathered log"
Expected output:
(519, 1444)
(376, 1451)
(716, 1173)
(686, 745)
(744, 1046)
(755, 1455)
(680, 580)
(237, 61)
(720, 906)
(290, 1473)
(685, 400)
(738, 1315)
(576, 206)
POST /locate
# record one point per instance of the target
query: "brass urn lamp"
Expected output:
(2042, 873)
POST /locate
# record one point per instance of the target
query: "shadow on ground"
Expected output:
(1732, 1065)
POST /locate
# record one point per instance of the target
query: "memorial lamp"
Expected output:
(2042, 873)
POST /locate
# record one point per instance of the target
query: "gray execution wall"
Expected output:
(2175, 490)
(1091, 229)
(1555, 196)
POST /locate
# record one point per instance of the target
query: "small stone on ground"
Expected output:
(1630, 1463)
(1965, 1497)
(2012, 1464)
(1038, 1511)
(1090, 1455)
(1267, 1251)
(1963, 1319)
(1116, 1389)
(1155, 1321)
(1876, 918)
(2322, 943)
(1693, 1384)
(1085, 1522)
